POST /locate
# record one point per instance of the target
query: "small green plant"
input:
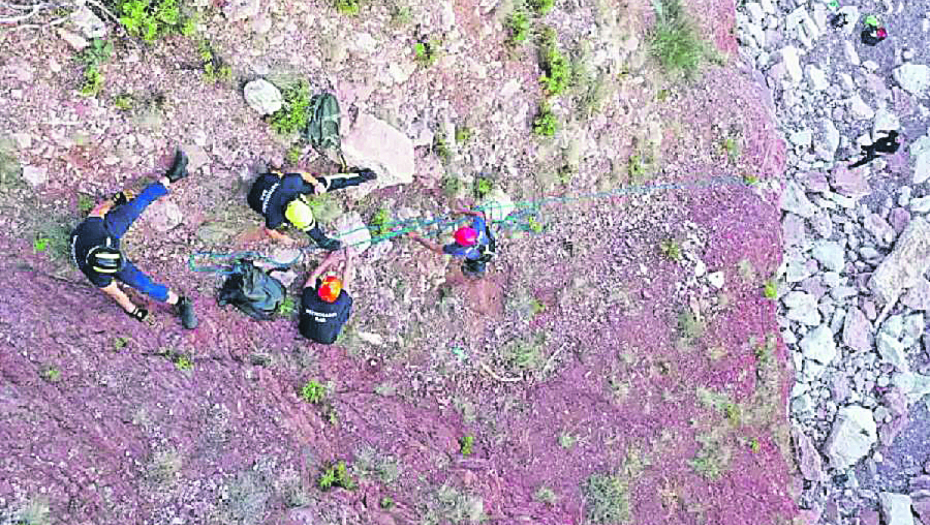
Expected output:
(731, 148)
(518, 25)
(638, 167)
(401, 16)
(546, 124)
(556, 69)
(292, 117)
(462, 134)
(150, 19)
(386, 502)
(534, 225)
(214, 68)
(546, 495)
(336, 475)
(674, 41)
(98, 52)
(770, 291)
(525, 354)
(754, 445)
(313, 392)
(93, 82)
(120, 342)
(662, 95)
(40, 244)
(764, 351)
(294, 153)
(183, 363)
(750, 179)
(123, 101)
(567, 440)
(348, 7)
(713, 458)
(607, 499)
(689, 326)
(287, 307)
(483, 187)
(188, 27)
(466, 445)
(52, 375)
(380, 223)
(451, 185)
(541, 7)
(441, 148)
(671, 250)
(427, 53)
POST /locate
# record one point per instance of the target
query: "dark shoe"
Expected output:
(185, 309)
(178, 169)
(366, 174)
(328, 244)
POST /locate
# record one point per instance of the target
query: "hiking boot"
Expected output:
(178, 169)
(324, 242)
(365, 175)
(185, 310)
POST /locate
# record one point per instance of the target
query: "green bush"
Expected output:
(670, 249)
(150, 19)
(287, 307)
(483, 187)
(546, 124)
(557, 72)
(674, 40)
(607, 499)
(93, 57)
(381, 222)
(518, 24)
(541, 7)
(427, 53)
(313, 392)
(348, 7)
(770, 291)
(292, 117)
(467, 444)
(336, 476)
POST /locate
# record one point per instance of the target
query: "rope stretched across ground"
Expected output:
(522, 216)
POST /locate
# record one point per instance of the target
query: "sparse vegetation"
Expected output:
(52, 375)
(518, 25)
(689, 326)
(545, 495)
(287, 307)
(428, 52)
(151, 19)
(770, 290)
(466, 445)
(454, 506)
(556, 70)
(750, 179)
(674, 40)
(215, 68)
(369, 464)
(525, 354)
(534, 225)
(671, 250)
(294, 153)
(713, 458)
(36, 512)
(381, 222)
(441, 148)
(386, 502)
(120, 342)
(607, 499)
(93, 58)
(336, 475)
(546, 124)
(541, 7)
(183, 363)
(462, 134)
(451, 185)
(292, 117)
(313, 392)
(483, 187)
(731, 148)
(567, 440)
(123, 102)
(401, 15)
(348, 7)
(165, 466)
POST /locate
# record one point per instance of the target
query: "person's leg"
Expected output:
(869, 152)
(338, 183)
(120, 218)
(321, 240)
(134, 277)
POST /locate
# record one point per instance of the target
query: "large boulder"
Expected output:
(352, 231)
(920, 151)
(375, 144)
(263, 96)
(497, 205)
(853, 434)
(164, 215)
(902, 268)
(914, 78)
(896, 508)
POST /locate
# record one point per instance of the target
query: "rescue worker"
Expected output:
(280, 198)
(95, 248)
(474, 244)
(874, 32)
(888, 144)
(325, 304)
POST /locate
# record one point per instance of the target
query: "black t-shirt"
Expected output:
(321, 321)
(270, 195)
(89, 234)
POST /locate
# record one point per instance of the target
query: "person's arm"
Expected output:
(459, 208)
(278, 236)
(119, 296)
(350, 270)
(311, 183)
(324, 265)
(101, 209)
(428, 244)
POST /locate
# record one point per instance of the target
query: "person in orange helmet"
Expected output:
(325, 305)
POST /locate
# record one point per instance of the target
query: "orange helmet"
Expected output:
(330, 289)
(466, 236)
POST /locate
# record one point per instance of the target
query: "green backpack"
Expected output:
(323, 129)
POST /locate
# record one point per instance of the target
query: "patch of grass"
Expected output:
(674, 40)
(607, 499)
(183, 363)
(466, 445)
(348, 7)
(52, 375)
(567, 440)
(123, 101)
(294, 153)
(313, 392)
(671, 250)
(750, 179)
(427, 53)
(401, 15)
(722, 404)
(93, 81)
(151, 19)
(713, 458)
(546, 495)
(770, 290)
(525, 354)
(386, 502)
(731, 148)
(287, 307)
(381, 222)
(546, 123)
(462, 134)
(690, 327)
(454, 506)
(52, 236)
(94, 57)
(518, 27)
(293, 115)
(336, 475)
(541, 7)
(120, 342)
(368, 463)
(639, 166)
(451, 185)
(36, 512)
(483, 187)
(533, 225)
(165, 466)
(441, 148)
(556, 70)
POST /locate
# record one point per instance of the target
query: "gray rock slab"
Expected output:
(851, 437)
(908, 260)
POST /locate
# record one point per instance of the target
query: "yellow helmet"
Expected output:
(299, 214)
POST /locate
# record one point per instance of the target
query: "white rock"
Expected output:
(235, 10)
(851, 437)
(847, 82)
(909, 259)
(884, 120)
(920, 150)
(850, 51)
(914, 78)
(164, 215)
(263, 96)
(852, 14)
(830, 255)
(716, 279)
(914, 386)
(920, 204)
(792, 63)
(892, 351)
(800, 25)
(817, 77)
(768, 6)
(818, 345)
(90, 24)
(447, 16)
(35, 176)
(859, 108)
(352, 231)
(371, 338)
(497, 205)
(802, 138)
(802, 307)
(76, 41)
(896, 508)
(699, 268)
(795, 201)
(826, 149)
(375, 144)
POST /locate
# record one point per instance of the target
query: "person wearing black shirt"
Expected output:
(888, 144)
(325, 305)
(280, 198)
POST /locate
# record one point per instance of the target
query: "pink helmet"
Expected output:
(466, 236)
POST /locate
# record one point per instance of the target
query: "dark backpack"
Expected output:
(323, 128)
(478, 266)
(252, 290)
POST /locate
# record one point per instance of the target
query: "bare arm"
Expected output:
(327, 262)
(318, 185)
(119, 296)
(459, 208)
(428, 244)
(278, 236)
(101, 209)
(350, 269)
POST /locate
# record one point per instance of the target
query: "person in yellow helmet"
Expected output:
(325, 305)
(279, 197)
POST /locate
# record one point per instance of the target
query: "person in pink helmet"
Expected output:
(474, 243)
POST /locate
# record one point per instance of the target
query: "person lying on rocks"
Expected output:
(474, 244)
(325, 304)
(95, 248)
(874, 32)
(281, 197)
(888, 144)
(839, 21)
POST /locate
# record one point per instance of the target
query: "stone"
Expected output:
(920, 204)
(35, 176)
(918, 296)
(352, 231)
(716, 279)
(800, 25)
(818, 345)
(830, 255)
(859, 108)
(852, 435)
(884, 120)
(215, 233)
(74, 40)
(892, 351)
(197, 157)
(920, 152)
(795, 201)
(447, 16)
(869, 517)
(914, 78)
(371, 338)
(497, 205)
(802, 138)
(908, 260)
(826, 148)
(91, 25)
(802, 307)
(163, 215)
(816, 181)
(817, 78)
(856, 329)
(789, 54)
(851, 183)
(912, 385)
(263, 96)
(896, 508)
(850, 51)
(879, 227)
(375, 144)
(809, 461)
(235, 10)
